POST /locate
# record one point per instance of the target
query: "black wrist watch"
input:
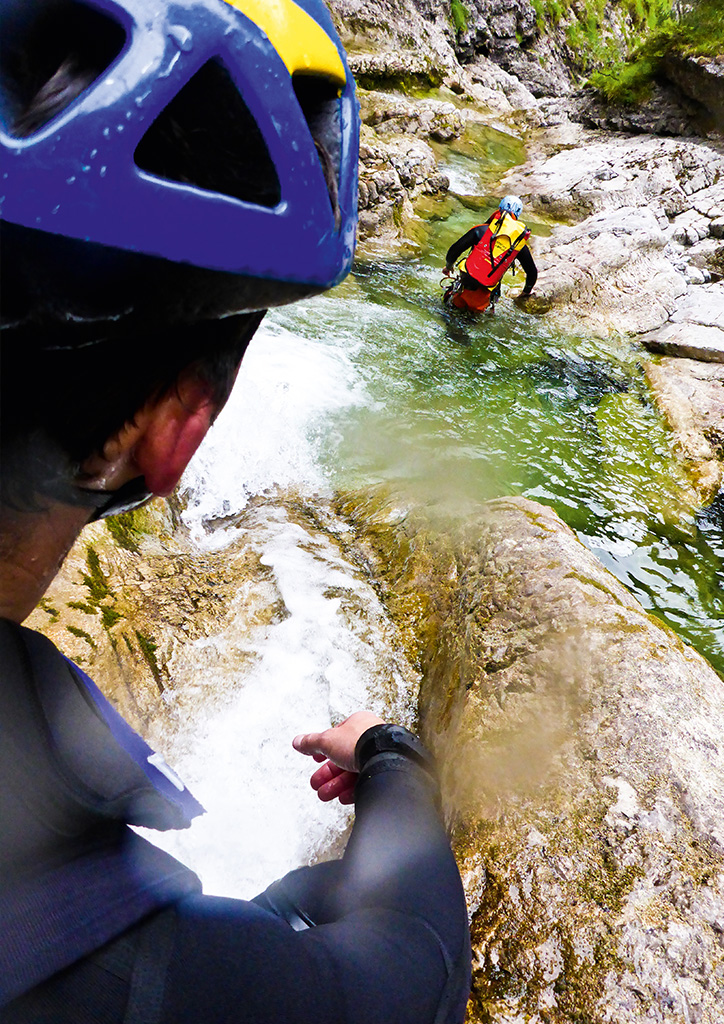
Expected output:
(393, 739)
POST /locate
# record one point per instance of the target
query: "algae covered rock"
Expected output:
(690, 394)
(582, 753)
(391, 113)
(394, 170)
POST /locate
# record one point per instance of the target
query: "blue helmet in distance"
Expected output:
(511, 204)
(214, 134)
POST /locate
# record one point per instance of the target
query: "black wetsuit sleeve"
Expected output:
(395, 944)
(467, 241)
(525, 258)
(391, 944)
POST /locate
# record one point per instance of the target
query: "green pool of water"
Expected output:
(461, 409)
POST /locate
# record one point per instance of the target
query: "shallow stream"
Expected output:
(376, 385)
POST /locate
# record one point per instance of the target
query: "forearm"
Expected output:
(390, 940)
(467, 241)
(527, 262)
(392, 910)
(398, 856)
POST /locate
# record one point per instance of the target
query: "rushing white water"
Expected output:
(268, 434)
(328, 655)
(463, 180)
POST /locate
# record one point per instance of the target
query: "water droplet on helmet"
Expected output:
(171, 65)
(129, 115)
(102, 171)
(107, 132)
(85, 168)
(93, 154)
(55, 209)
(182, 37)
(70, 180)
(120, 127)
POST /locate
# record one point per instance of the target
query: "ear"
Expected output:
(173, 428)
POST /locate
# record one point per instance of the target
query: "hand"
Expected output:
(337, 776)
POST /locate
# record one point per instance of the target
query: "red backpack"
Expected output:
(497, 249)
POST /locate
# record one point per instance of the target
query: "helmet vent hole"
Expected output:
(51, 51)
(208, 138)
(319, 100)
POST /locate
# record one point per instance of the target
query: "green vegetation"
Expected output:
(127, 529)
(109, 617)
(459, 14)
(623, 64)
(82, 635)
(95, 579)
(100, 596)
(48, 608)
(663, 32)
(148, 648)
(83, 606)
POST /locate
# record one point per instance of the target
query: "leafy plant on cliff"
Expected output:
(669, 29)
(148, 647)
(604, 37)
(126, 529)
(459, 15)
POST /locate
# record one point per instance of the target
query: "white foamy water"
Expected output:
(314, 667)
(270, 431)
(252, 688)
(463, 181)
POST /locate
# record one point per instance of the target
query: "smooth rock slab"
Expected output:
(690, 394)
(703, 306)
(611, 271)
(607, 172)
(582, 750)
(688, 340)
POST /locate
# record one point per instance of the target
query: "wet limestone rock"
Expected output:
(608, 171)
(124, 610)
(690, 394)
(582, 753)
(493, 87)
(394, 70)
(599, 270)
(646, 213)
(702, 79)
(665, 112)
(394, 170)
(395, 114)
(695, 329)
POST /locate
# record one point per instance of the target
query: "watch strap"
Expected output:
(393, 739)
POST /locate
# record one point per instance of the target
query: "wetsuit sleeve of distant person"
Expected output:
(467, 241)
(525, 258)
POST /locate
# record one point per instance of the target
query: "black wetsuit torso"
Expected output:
(470, 239)
(390, 942)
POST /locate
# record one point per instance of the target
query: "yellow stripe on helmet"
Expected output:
(299, 40)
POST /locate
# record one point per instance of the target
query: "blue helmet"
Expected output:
(511, 204)
(264, 89)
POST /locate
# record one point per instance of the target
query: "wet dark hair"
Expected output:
(90, 333)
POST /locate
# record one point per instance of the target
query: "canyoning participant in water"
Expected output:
(494, 247)
(170, 170)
